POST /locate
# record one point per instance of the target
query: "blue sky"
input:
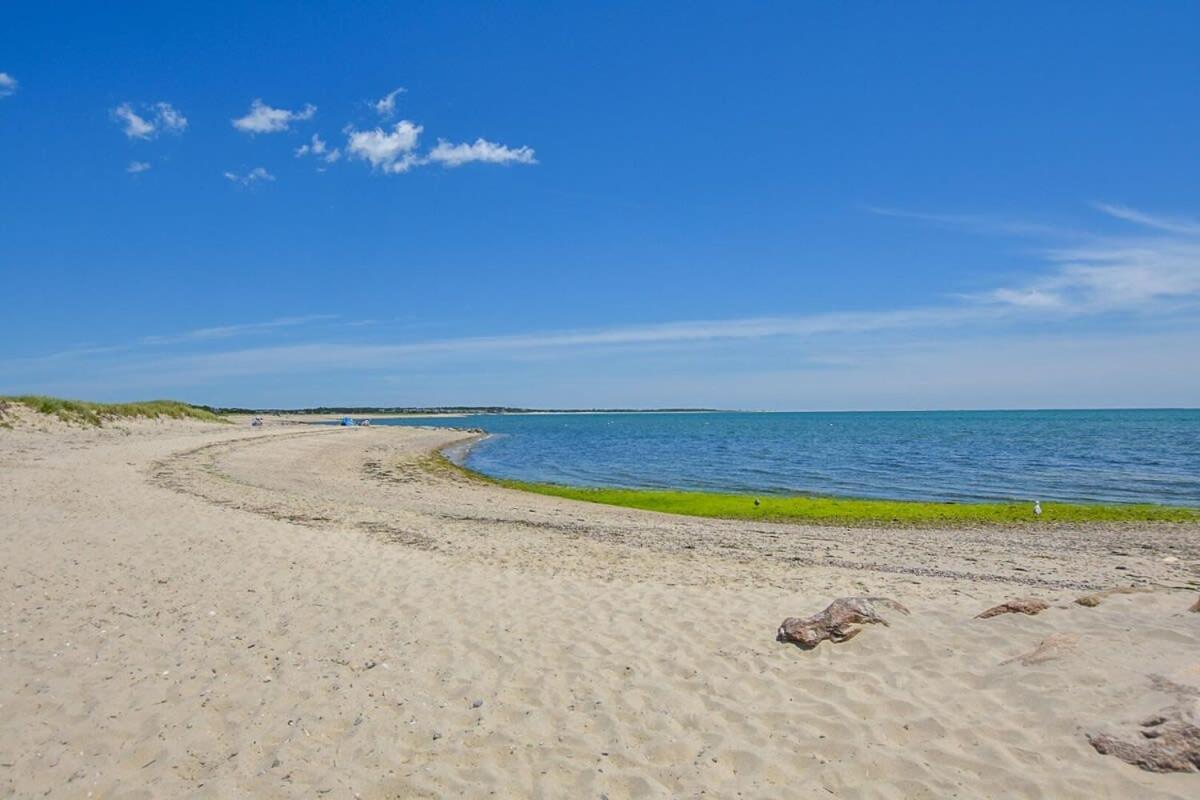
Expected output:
(793, 205)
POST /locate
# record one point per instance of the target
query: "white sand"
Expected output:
(197, 610)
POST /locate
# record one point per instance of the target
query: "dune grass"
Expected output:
(80, 412)
(840, 511)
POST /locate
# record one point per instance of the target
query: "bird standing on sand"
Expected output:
(1037, 508)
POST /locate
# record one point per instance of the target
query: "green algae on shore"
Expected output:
(837, 510)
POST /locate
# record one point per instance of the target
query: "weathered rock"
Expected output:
(1095, 599)
(837, 623)
(1019, 605)
(1054, 646)
(1167, 742)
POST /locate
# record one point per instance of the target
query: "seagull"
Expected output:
(1037, 508)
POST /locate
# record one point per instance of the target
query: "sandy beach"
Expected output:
(201, 610)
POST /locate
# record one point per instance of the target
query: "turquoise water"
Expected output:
(1150, 456)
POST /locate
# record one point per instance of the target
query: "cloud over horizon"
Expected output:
(1151, 278)
(1147, 282)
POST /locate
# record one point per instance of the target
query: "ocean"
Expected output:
(1125, 456)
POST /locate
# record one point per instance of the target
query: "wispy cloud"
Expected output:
(323, 356)
(1113, 276)
(136, 167)
(976, 223)
(147, 122)
(8, 85)
(239, 329)
(262, 118)
(318, 149)
(1083, 272)
(197, 335)
(256, 175)
(1144, 282)
(1185, 227)
(386, 105)
(1097, 274)
(455, 155)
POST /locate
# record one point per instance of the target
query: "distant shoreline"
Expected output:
(456, 411)
(376, 412)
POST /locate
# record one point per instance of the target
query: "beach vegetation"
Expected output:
(81, 412)
(857, 512)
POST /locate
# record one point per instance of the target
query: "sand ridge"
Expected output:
(220, 611)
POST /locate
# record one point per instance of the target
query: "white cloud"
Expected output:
(1025, 298)
(136, 127)
(8, 84)
(253, 176)
(168, 119)
(1124, 275)
(137, 166)
(387, 152)
(318, 148)
(396, 151)
(386, 106)
(263, 119)
(157, 118)
(1157, 269)
(455, 155)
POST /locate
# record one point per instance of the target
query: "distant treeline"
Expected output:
(351, 410)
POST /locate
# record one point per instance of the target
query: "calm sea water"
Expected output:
(1109, 456)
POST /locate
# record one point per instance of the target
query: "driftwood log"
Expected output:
(1167, 742)
(1020, 605)
(837, 623)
